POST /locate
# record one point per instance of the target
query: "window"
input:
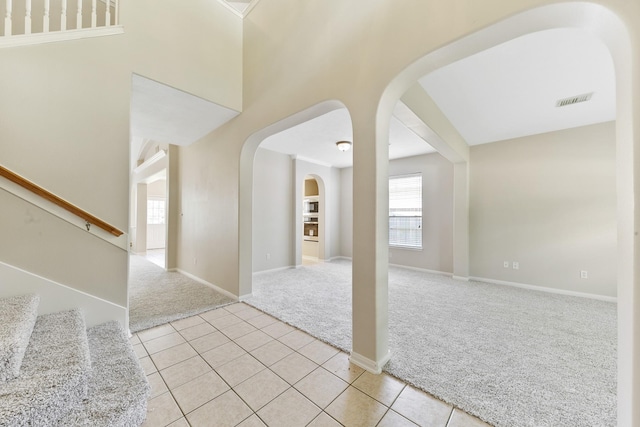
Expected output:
(155, 211)
(405, 211)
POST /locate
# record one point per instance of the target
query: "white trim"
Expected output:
(244, 297)
(121, 242)
(546, 289)
(273, 270)
(249, 8)
(211, 285)
(56, 297)
(368, 364)
(150, 161)
(58, 36)
(462, 278)
(423, 270)
(242, 14)
(231, 8)
(312, 161)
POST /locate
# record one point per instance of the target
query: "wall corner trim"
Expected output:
(368, 364)
(204, 282)
(244, 297)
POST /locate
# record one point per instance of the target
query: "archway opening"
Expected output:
(595, 20)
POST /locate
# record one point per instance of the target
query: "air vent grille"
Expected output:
(574, 99)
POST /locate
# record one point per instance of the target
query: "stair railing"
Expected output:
(89, 219)
(54, 20)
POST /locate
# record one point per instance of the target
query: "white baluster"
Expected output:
(79, 15)
(46, 18)
(107, 14)
(27, 17)
(94, 14)
(63, 16)
(117, 11)
(7, 18)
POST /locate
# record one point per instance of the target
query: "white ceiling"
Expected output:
(315, 140)
(164, 114)
(505, 92)
(511, 90)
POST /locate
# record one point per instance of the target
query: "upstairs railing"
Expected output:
(34, 19)
(45, 194)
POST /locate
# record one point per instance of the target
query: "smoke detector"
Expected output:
(574, 99)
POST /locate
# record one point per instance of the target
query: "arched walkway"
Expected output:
(607, 26)
(246, 189)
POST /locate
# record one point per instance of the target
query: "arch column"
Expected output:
(370, 240)
(427, 120)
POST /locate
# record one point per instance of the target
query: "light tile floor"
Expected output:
(235, 366)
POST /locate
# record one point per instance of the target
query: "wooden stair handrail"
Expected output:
(36, 189)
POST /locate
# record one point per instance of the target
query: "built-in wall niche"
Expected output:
(311, 187)
(310, 218)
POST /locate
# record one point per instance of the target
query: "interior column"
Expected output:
(370, 242)
(461, 220)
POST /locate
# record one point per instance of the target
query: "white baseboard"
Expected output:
(273, 270)
(546, 289)
(347, 258)
(244, 297)
(368, 364)
(463, 278)
(56, 297)
(204, 282)
(423, 270)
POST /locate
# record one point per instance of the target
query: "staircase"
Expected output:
(55, 372)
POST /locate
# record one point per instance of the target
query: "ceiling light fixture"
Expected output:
(343, 145)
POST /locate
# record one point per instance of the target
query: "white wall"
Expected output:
(65, 126)
(547, 202)
(273, 216)
(437, 215)
(38, 242)
(277, 216)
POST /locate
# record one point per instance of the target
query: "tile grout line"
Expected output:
(272, 339)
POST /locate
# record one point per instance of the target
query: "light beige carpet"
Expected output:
(510, 356)
(157, 296)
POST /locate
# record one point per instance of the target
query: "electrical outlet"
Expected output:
(516, 265)
(268, 256)
(584, 274)
(506, 264)
(195, 261)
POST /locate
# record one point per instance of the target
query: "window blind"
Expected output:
(405, 211)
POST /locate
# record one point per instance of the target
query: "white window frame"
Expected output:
(156, 216)
(401, 208)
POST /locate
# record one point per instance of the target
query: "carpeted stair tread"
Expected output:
(17, 317)
(54, 373)
(118, 387)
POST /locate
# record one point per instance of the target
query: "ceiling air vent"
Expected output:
(574, 99)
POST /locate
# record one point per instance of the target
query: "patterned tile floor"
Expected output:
(236, 366)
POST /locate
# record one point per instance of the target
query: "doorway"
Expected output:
(156, 221)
